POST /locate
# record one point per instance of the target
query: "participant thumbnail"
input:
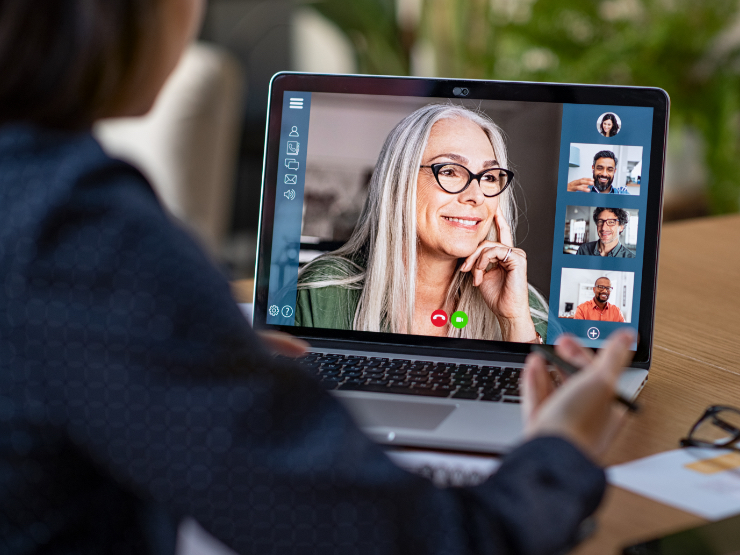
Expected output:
(601, 231)
(599, 295)
(605, 169)
(609, 124)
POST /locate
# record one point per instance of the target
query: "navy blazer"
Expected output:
(133, 392)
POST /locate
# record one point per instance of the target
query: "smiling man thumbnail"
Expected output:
(604, 170)
(599, 308)
(610, 224)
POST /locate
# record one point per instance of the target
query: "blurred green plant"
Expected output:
(689, 48)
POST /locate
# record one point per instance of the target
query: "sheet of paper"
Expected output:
(705, 482)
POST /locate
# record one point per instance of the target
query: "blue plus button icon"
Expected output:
(593, 333)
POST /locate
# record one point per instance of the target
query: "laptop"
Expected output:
(421, 234)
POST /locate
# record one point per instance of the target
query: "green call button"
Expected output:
(459, 319)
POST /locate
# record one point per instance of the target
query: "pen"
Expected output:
(569, 369)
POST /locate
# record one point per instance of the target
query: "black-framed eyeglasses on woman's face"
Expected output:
(455, 178)
(718, 427)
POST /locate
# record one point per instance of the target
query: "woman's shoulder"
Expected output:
(331, 268)
(329, 290)
(49, 166)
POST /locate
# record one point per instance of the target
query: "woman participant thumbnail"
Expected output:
(609, 125)
(435, 234)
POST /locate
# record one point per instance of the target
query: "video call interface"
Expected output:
(475, 219)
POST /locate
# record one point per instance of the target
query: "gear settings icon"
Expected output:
(274, 310)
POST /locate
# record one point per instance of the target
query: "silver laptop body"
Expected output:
(327, 138)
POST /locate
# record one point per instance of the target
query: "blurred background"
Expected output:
(689, 48)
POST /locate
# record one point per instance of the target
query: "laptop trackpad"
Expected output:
(399, 414)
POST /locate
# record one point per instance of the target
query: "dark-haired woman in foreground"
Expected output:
(132, 390)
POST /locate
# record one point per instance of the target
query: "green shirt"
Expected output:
(334, 306)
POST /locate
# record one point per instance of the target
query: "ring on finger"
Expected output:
(507, 256)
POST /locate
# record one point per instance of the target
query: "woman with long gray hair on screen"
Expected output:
(436, 232)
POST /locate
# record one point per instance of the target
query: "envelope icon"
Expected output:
(291, 178)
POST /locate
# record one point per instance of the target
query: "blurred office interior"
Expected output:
(219, 95)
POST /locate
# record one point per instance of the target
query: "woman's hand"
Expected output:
(500, 271)
(582, 410)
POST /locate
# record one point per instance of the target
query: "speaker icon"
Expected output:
(289, 194)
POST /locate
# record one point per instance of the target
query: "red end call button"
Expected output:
(439, 318)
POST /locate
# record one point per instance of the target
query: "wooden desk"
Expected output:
(696, 363)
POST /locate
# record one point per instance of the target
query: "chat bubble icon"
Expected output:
(292, 164)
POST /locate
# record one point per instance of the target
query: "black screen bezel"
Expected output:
(485, 90)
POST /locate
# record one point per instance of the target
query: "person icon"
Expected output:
(294, 131)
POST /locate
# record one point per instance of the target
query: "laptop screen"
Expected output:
(453, 218)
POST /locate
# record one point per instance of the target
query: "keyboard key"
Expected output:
(443, 367)
(393, 365)
(466, 394)
(468, 367)
(417, 366)
(326, 367)
(430, 392)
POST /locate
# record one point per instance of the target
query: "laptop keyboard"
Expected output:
(415, 377)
